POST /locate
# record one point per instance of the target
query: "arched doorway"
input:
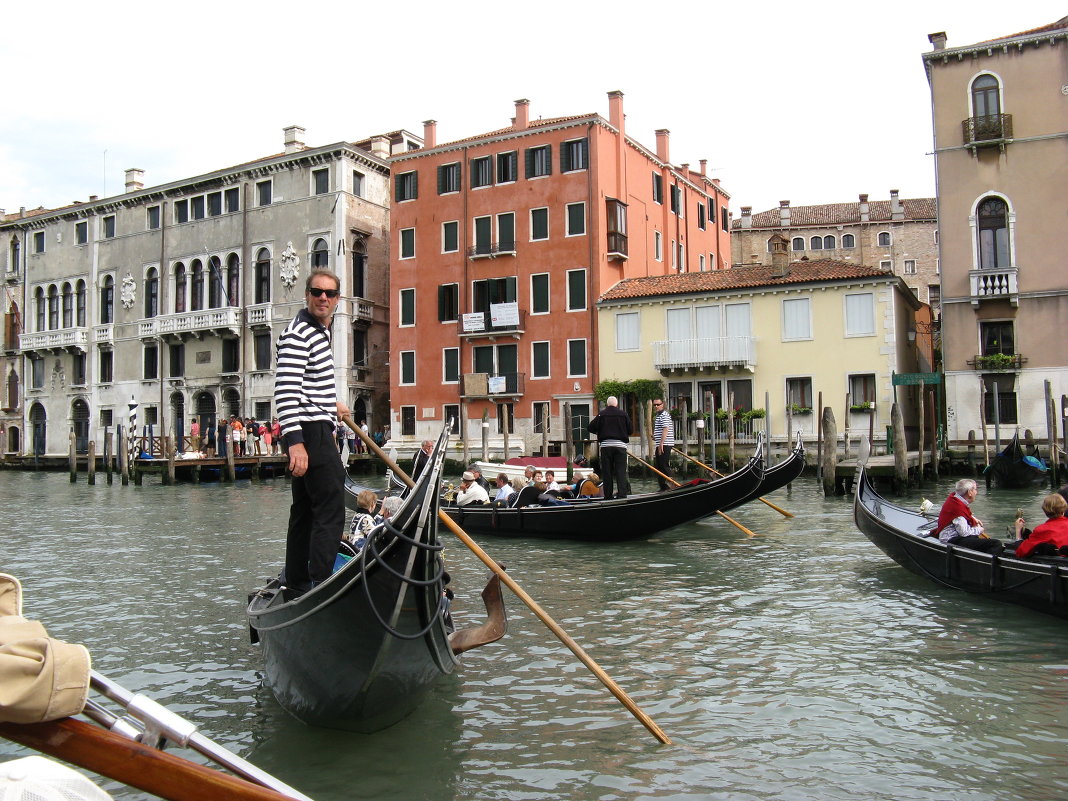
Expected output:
(13, 439)
(359, 412)
(178, 423)
(204, 404)
(232, 402)
(79, 420)
(39, 428)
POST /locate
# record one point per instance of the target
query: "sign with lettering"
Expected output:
(504, 315)
(904, 379)
(475, 321)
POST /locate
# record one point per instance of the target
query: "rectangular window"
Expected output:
(997, 337)
(407, 243)
(483, 235)
(539, 161)
(674, 255)
(407, 307)
(861, 389)
(262, 345)
(541, 417)
(628, 334)
(177, 360)
(701, 216)
(658, 188)
(153, 217)
(934, 297)
(107, 367)
(658, 246)
(576, 290)
(181, 211)
(78, 370)
(617, 226)
(539, 293)
(539, 224)
(506, 232)
(701, 262)
(448, 303)
(151, 370)
(407, 421)
(214, 204)
(799, 393)
(232, 197)
(910, 267)
(860, 315)
(321, 181)
(450, 365)
(505, 411)
(576, 358)
(575, 155)
(109, 226)
(264, 193)
(37, 372)
(231, 353)
(539, 360)
(450, 236)
(481, 172)
(448, 178)
(407, 367)
(886, 266)
(492, 290)
(507, 169)
(676, 200)
(357, 183)
(724, 223)
(999, 398)
(107, 418)
(81, 233)
(796, 319)
(452, 417)
(407, 186)
(576, 219)
(196, 207)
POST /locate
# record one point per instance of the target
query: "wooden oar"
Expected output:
(666, 477)
(684, 455)
(541, 614)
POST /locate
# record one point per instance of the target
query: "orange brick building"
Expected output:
(502, 244)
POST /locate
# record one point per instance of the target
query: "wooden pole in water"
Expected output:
(901, 451)
(168, 449)
(90, 467)
(1051, 433)
(830, 451)
(123, 454)
(485, 435)
(730, 430)
(922, 421)
(229, 472)
(107, 455)
(72, 458)
(934, 435)
(819, 438)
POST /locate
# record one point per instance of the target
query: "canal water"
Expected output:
(798, 664)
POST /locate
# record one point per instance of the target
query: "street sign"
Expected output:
(916, 378)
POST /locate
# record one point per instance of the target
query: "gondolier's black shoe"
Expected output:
(292, 593)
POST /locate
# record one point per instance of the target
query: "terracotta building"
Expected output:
(501, 244)
(1001, 154)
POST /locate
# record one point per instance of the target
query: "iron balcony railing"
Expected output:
(490, 250)
(994, 362)
(987, 130)
(488, 328)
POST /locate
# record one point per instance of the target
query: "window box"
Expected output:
(863, 408)
(996, 362)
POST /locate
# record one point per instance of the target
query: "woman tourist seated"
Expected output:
(1049, 538)
(591, 487)
(958, 526)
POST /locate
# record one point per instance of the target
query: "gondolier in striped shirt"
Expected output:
(305, 398)
(664, 438)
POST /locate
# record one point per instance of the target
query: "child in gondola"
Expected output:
(363, 520)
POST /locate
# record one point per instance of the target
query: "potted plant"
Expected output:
(796, 408)
(996, 361)
(861, 408)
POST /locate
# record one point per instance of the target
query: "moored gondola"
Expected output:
(777, 476)
(1013, 468)
(361, 649)
(902, 534)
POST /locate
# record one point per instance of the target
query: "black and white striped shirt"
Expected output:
(304, 390)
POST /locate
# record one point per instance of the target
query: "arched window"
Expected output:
(107, 300)
(12, 390)
(986, 96)
(263, 276)
(53, 308)
(359, 268)
(16, 251)
(816, 243)
(39, 301)
(849, 241)
(233, 279)
(993, 219)
(151, 292)
(68, 306)
(215, 283)
(179, 288)
(79, 304)
(828, 243)
(320, 255)
(798, 243)
(884, 239)
(196, 290)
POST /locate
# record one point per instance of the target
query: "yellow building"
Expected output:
(769, 337)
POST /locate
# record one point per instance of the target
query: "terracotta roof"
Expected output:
(923, 208)
(1059, 25)
(510, 129)
(747, 277)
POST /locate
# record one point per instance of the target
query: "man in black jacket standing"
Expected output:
(612, 427)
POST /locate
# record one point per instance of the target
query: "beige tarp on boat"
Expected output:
(41, 678)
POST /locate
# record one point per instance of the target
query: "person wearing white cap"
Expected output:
(470, 491)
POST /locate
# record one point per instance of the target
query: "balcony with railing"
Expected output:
(992, 130)
(198, 323)
(259, 314)
(715, 352)
(491, 250)
(994, 285)
(360, 310)
(60, 339)
(997, 362)
(490, 324)
(487, 385)
(104, 334)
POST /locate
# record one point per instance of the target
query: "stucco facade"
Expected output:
(1000, 111)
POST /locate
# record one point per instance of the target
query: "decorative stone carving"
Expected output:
(58, 376)
(128, 292)
(290, 266)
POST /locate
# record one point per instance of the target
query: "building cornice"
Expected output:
(1018, 43)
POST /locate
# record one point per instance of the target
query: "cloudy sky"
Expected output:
(811, 102)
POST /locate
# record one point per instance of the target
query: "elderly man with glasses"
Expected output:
(664, 437)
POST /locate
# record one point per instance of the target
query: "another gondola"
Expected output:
(902, 534)
(360, 650)
(777, 476)
(1013, 468)
(602, 520)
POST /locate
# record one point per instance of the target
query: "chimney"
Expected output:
(380, 147)
(780, 258)
(93, 197)
(615, 110)
(430, 133)
(704, 166)
(747, 217)
(293, 140)
(135, 179)
(522, 113)
(22, 211)
(897, 211)
(663, 138)
(865, 210)
(784, 213)
(938, 40)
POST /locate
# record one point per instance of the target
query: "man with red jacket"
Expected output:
(958, 526)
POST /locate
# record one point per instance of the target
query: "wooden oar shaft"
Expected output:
(715, 472)
(555, 628)
(662, 475)
(377, 451)
(133, 763)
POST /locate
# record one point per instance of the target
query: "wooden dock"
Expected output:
(881, 468)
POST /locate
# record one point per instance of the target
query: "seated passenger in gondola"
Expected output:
(504, 490)
(470, 492)
(958, 526)
(591, 487)
(548, 497)
(363, 520)
(1049, 538)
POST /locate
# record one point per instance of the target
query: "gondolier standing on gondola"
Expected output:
(305, 398)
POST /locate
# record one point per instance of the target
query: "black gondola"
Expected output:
(901, 534)
(601, 520)
(1013, 468)
(360, 650)
(777, 476)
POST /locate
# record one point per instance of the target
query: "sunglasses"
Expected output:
(316, 292)
(658, 404)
